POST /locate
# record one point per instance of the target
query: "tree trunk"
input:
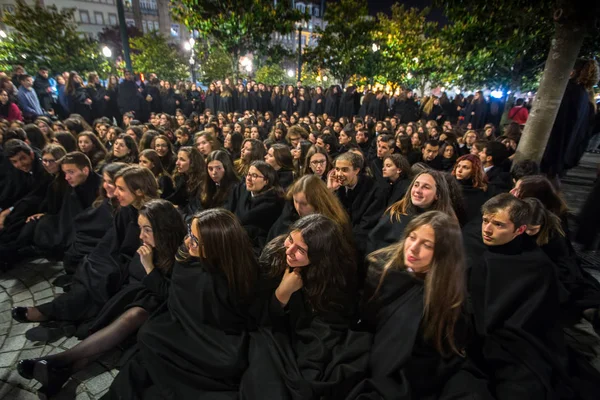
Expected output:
(565, 47)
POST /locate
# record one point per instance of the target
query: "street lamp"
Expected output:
(106, 52)
(3, 34)
(375, 47)
(325, 79)
(409, 75)
(290, 73)
(249, 67)
(189, 46)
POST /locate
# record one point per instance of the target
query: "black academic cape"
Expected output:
(387, 231)
(187, 203)
(301, 354)
(211, 102)
(332, 104)
(395, 191)
(41, 86)
(478, 119)
(317, 104)
(288, 216)
(276, 103)
(499, 179)
(474, 199)
(364, 205)
(436, 111)
(241, 102)
(195, 346)
(24, 190)
(348, 103)
(408, 110)
(169, 100)
(518, 341)
(226, 102)
(287, 105)
(402, 364)
(378, 108)
(166, 186)
(256, 213)
(130, 99)
(286, 178)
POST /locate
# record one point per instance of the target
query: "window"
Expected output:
(99, 17)
(84, 16)
(148, 4)
(112, 19)
(175, 30)
(145, 26)
(130, 22)
(156, 26)
(315, 11)
(300, 7)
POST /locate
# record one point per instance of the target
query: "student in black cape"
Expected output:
(100, 275)
(359, 194)
(89, 144)
(123, 150)
(150, 159)
(396, 172)
(220, 181)
(517, 340)
(161, 232)
(252, 150)
(196, 345)
(189, 175)
(305, 349)
(414, 306)
(317, 162)
(164, 147)
(473, 182)
(309, 195)
(258, 201)
(494, 158)
(428, 192)
(280, 158)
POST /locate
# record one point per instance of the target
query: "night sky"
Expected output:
(376, 6)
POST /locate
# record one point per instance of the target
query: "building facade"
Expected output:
(315, 9)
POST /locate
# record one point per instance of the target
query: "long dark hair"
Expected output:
(168, 230)
(445, 286)
(539, 186)
(130, 158)
(213, 195)
(270, 176)
(197, 172)
(111, 170)
(330, 280)
(35, 136)
(219, 230)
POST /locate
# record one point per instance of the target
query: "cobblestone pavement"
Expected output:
(29, 284)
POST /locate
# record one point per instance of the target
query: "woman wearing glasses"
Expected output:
(196, 346)
(161, 233)
(258, 201)
(317, 162)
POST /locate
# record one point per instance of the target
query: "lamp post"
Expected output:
(299, 51)
(124, 37)
(189, 46)
(106, 52)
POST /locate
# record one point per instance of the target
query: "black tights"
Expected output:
(103, 340)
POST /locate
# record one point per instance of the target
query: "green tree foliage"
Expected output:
(215, 64)
(45, 36)
(345, 43)
(237, 26)
(152, 53)
(111, 36)
(410, 50)
(271, 74)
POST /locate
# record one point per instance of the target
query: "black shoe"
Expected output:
(30, 252)
(45, 333)
(63, 280)
(51, 378)
(19, 314)
(25, 367)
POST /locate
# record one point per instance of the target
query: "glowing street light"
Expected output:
(3, 34)
(249, 67)
(375, 47)
(325, 79)
(409, 75)
(290, 73)
(187, 46)
(106, 52)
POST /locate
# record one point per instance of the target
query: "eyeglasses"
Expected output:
(194, 240)
(317, 162)
(48, 161)
(254, 176)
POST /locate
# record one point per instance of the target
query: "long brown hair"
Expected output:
(549, 223)
(228, 248)
(478, 175)
(445, 285)
(330, 280)
(213, 195)
(142, 179)
(442, 203)
(168, 230)
(539, 186)
(197, 172)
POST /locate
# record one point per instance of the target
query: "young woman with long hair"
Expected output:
(164, 147)
(221, 180)
(396, 171)
(123, 150)
(252, 150)
(540, 187)
(91, 146)
(416, 291)
(310, 280)
(469, 173)
(161, 232)
(318, 162)
(151, 160)
(212, 288)
(189, 175)
(280, 158)
(206, 143)
(428, 192)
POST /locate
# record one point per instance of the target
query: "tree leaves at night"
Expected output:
(152, 53)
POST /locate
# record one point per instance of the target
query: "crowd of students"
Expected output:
(296, 254)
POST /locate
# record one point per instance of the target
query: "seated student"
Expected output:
(252, 150)
(257, 202)
(99, 276)
(385, 147)
(397, 173)
(469, 140)
(494, 158)
(430, 155)
(150, 159)
(17, 235)
(196, 346)
(362, 139)
(184, 138)
(329, 143)
(280, 158)
(25, 183)
(220, 182)
(123, 150)
(309, 195)
(91, 146)
(163, 146)
(189, 175)
(317, 162)
(428, 192)
(161, 231)
(92, 215)
(358, 193)
(517, 339)
(523, 168)
(305, 349)
(414, 305)
(469, 173)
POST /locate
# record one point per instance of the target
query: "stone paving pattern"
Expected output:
(29, 284)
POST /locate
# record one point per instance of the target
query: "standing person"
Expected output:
(574, 121)
(519, 114)
(477, 111)
(129, 98)
(43, 89)
(28, 100)
(211, 101)
(111, 97)
(378, 106)
(8, 109)
(317, 103)
(79, 99)
(332, 101)
(96, 92)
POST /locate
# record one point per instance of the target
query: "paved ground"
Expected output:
(30, 284)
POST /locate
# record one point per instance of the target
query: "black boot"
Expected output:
(51, 378)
